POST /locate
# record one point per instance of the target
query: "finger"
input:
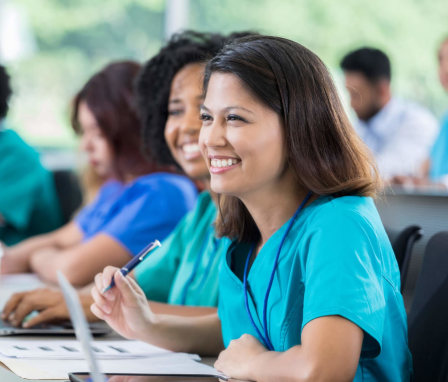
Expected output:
(47, 315)
(98, 312)
(134, 285)
(108, 273)
(11, 304)
(25, 307)
(123, 285)
(101, 302)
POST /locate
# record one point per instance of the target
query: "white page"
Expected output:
(71, 349)
(173, 364)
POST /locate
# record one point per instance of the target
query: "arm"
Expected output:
(330, 351)
(81, 262)
(126, 310)
(17, 257)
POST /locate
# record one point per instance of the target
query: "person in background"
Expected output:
(28, 200)
(434, 172)
(399, 133)
(181, 277)
(309, 289)
(138, 204)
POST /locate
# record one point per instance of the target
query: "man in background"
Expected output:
(399, 133)
(28, 200)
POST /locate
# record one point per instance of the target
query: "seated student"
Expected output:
(28, 201)
(434, 171)
(136, 205)
(310, 288)
(184, 271)
(399, 133)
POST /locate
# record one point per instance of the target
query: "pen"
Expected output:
(133, 263)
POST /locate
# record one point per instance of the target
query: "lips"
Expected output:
(190, 150)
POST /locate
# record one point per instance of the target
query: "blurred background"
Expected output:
(51, 47)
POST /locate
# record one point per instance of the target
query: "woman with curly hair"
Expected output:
(181, 277)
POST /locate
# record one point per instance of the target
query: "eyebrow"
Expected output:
(228, 108)
(178, 100)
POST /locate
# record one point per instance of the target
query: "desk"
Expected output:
(15, 283)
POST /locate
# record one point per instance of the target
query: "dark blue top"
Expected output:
(138, 212)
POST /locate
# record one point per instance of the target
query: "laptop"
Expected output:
(84, 337)
(62, 328)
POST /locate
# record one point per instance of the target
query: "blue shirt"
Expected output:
(185, 269)
(139, 212)
(336, 260)
(439, 152)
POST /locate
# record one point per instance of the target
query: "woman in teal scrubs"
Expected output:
(310, 287)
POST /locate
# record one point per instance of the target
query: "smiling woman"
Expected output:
(309, 287)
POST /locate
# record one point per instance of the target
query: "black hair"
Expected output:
(372, 63)
(5, 92)
(154, 83)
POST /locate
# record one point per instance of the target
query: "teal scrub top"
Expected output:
(28, 201)
(184, 271)
(439, 152)
(336, 260)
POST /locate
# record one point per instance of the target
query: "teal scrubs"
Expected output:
(28, 199)
(184, 271)
(336, 260)
(439, 153)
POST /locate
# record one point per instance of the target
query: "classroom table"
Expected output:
(16, 283)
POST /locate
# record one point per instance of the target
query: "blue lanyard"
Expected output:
(265, 337)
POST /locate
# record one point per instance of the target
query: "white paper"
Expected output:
(71, 349)
(174, 364)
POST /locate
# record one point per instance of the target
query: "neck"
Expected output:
(271, 209)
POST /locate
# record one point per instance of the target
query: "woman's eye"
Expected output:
(234, 117)
(174, 112)
(205, 117)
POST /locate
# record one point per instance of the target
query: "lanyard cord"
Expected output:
(265, 337)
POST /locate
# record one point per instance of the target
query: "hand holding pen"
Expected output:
(134, 262)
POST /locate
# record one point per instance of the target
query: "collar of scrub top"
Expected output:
(265, 336)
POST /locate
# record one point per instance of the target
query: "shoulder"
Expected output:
(415, 111)
(344, 214)
(163, 182)
(12, 143)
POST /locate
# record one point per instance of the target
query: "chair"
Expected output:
(402, 243)
(428, 318)
(69, 192)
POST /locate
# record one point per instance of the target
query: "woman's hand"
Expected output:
(49, 303)
(237, 360)
(123, 307)
(13, 261)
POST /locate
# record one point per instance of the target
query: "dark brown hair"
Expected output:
(326, 154)
(110, 97)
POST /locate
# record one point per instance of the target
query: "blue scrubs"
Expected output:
(139, 212)
(336, 260)
(439, 153)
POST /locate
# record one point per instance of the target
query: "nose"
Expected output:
(191, 124)
(213, 135)
(86, 143)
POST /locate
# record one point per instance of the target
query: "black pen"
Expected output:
(134, 262)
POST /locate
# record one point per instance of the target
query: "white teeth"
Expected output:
(219, 163)
(190, 148)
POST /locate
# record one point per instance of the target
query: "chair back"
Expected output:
(428, 318)
(69, 192)
(402, 243)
